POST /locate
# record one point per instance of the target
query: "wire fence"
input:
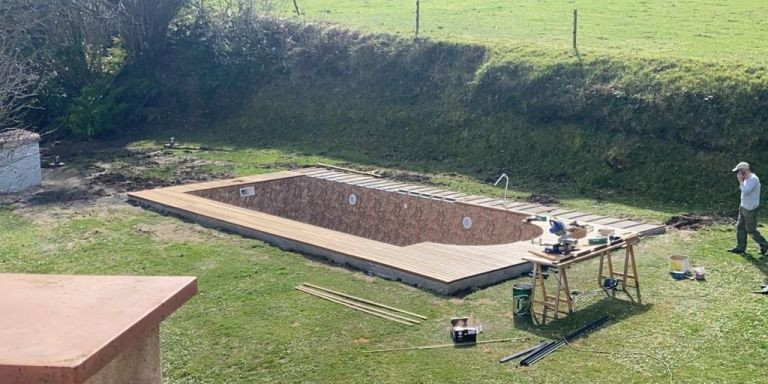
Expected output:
(679, 34)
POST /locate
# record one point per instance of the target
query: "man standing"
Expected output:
(749, 184)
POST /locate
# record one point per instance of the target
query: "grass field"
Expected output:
(248, 324)
(730, 30)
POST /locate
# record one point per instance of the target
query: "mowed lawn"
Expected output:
(731, 30)
(249, 325)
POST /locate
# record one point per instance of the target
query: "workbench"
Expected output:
(561, 302)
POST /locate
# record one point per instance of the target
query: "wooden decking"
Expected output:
(439, 267)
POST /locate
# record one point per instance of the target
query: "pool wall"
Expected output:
(390, 217)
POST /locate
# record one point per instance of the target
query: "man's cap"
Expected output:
(742, 165)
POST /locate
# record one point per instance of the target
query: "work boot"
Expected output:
(736, 250)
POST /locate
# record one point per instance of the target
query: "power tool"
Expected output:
(565, 243)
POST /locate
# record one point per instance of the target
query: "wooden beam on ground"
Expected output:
(337, 301)
(365, 301)
(447, 345)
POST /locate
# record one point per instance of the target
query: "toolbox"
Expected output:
(462, 331)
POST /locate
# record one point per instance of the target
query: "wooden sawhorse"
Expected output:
(562, 295)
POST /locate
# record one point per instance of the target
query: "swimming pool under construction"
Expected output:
(432, 238)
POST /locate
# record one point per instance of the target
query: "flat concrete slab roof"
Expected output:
(60, 329)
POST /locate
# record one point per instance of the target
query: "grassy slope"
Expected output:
(548, 118)
(249, 325)
(729, 30)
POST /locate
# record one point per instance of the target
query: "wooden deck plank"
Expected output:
(341, 176)
(443, 263)
(374, 184)
(431, 191)
(471, 198)
(540, 210)
(326, 174)
(481, 201)
(385, 185)
(310, 171)
(367, 180)
(608, 221)
(419, 189)
(321, 237)
(626, 224)
(589, 218)
(446, 266)
(409, 188)
(525, 208)
(353, 177)
(573, 215)
(560, 211)
(391, 187)
(454, 196)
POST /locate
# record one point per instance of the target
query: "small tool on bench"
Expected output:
(565, 243)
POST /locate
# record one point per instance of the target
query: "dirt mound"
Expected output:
(540, 198)
(123, 183)
(408, 177)
(694, 222)
(91, 172)
(64, 195)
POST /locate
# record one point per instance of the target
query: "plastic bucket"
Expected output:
(679, 264)
(521, 299)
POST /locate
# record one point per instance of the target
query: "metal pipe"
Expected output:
(551, 347)
(524, 352)
(506, 186)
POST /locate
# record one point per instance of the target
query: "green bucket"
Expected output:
(521, 299)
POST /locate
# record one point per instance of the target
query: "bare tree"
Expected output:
(143, 26)
(19, 79)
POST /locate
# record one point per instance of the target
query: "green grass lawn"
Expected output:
(730, 30)
(249, 325)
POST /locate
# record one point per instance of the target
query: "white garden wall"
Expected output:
(19, 161)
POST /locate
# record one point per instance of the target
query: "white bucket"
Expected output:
(679, 264)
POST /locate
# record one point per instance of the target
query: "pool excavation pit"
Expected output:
(435, 239)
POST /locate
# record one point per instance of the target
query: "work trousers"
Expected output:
(747, 224)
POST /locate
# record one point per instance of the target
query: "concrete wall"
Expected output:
(20, 166)
(139, 364)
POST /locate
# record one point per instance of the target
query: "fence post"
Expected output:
(417, 18)
(575, 27)
(296, 5)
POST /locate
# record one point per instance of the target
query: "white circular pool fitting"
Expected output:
(352, 199)
(466, 222)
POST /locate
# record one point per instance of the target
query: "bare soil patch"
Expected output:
(694, 222)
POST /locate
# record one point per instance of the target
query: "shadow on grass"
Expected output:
(760, 263)
(617, 306)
